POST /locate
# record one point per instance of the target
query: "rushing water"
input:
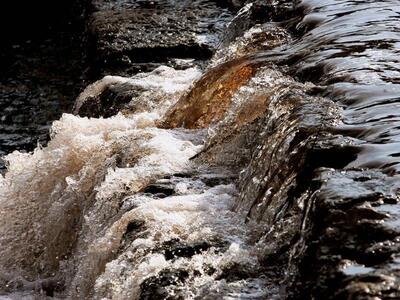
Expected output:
(198, 186)
(355, 48)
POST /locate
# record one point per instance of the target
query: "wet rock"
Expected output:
(135, 229)
(160, 190)
(347, 227)
(341, 222)
(114, 98)
(257, 12)
(287, 132)
(133, 226)
(175, 248)
(212, 180)
(259, 38)
(236, 272)
(157, 287)
(52, 286)
(232, 4)
(212, 96)
(128, 95)
(123, 41)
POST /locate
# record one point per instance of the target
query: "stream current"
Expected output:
(175, 196)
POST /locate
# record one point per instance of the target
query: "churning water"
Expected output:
(181, 195)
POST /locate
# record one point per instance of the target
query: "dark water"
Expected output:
(39, 81)
(351, 50)
(41, 67)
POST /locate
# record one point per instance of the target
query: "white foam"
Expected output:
(94, 171)
(163, 86)
(192, 217)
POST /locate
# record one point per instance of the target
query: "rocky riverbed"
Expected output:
(223, 150)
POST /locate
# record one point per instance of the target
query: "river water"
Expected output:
(41, 64)
(195, 189)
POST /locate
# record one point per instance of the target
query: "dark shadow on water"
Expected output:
(41, 67)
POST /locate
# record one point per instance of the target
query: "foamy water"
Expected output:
(132, 207)
(76, 214)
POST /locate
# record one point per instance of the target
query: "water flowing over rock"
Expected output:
(232, 151)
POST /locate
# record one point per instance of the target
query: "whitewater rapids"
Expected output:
(81, 222)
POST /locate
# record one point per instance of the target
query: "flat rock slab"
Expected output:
(126, 37)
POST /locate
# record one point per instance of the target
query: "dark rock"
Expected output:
(134, 229)
(160, 190)
(284, 143)
(51, 286)
(114, 98)
(347, 226)
(257, 12)
(215, 180)
(174, 249)
(120, 39)
(236, 272)
(232, 4)
(154, 288)
(133, 226)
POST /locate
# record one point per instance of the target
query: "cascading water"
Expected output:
(227, 183)
(115, 207)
